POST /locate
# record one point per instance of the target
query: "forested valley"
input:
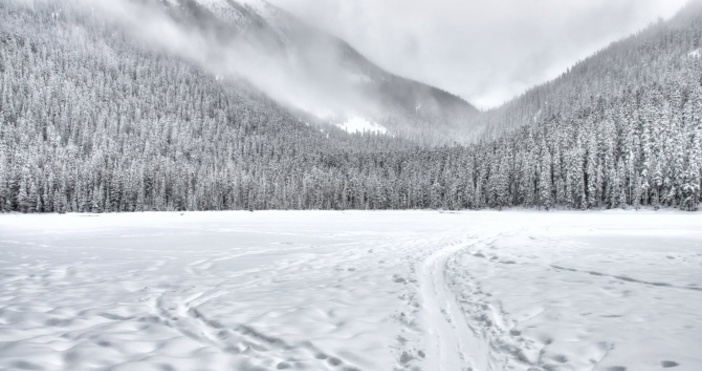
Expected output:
(91, 121)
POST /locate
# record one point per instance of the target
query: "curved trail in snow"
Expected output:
(452, 343)
(342, 291)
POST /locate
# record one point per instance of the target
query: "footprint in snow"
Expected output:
(560, 358)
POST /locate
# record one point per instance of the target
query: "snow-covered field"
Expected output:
(352, 291)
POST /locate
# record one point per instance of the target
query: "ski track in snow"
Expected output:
(452, 345)
(418, 290)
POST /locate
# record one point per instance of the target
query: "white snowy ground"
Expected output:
(352, 291)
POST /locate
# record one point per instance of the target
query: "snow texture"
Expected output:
(226, 11)
(226, 4)
(360, 125)
(218, 7)
(316, 290)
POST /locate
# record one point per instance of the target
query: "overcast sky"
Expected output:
(486, 51)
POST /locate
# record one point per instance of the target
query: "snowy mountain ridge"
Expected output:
(338, 78)
(261, 7)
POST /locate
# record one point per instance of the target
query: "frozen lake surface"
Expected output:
(315, 290)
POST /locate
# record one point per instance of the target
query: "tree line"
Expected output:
(91, 121)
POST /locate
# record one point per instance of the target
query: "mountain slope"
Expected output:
(95, 118)
(656, 55)
(326, 63)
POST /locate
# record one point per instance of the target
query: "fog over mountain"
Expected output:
(314, 74)
(132, 105)
(484, 51)
(288, 51)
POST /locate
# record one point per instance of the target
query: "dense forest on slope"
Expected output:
(314, 61)
(93, 121)
(657, 54)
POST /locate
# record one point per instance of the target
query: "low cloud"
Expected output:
(484, 51)
(271, 69)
